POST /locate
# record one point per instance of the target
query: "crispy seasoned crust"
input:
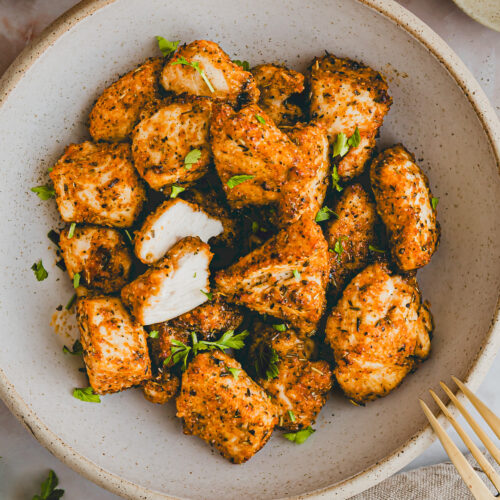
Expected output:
(345, 94)
(303, 193)
(229, 81)
(351, 234)
(97, 184)
(161, 388)
(99, 255)
(231, 413)
(117, 110)
(379, 332)
(403, 199)
(249, 143)
(162, 140)
(264, 280)
(114, 346)
(276, 85)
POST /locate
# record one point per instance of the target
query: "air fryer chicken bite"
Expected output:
(379, 331)
(224, 80)
(247, 143)
(172, 221)
(97, 184)
(173, 286)
(117, 110)
(99, 255)
(286, 277)
(162, 141)
(345, 94)
(303, 193)
(404, 203)
(298, 386)
(114, 346)
(227, 410)
(276, 85)
(350, 235)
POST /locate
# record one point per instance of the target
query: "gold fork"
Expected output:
(470, 477)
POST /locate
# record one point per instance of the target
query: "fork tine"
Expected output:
(481, 460)
(490, 446)
(471, 479)
(491, 419)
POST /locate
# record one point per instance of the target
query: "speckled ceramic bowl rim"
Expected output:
(422, 439)
(472, 14)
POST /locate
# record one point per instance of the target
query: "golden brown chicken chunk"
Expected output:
(286, 277)
(303, 193)
(171, 146)
(99, 255)
(161, 388)
(298, 386)
(248, 147)
(97, 184)
(379, 332)
(114, 346)
(175, 285)
(227, 410)
(350, 235)
(404, 203)
(276, 85)
(172, 221)
(202, 68)
(346, 94)
(117, 110)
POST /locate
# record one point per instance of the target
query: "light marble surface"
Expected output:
(24, 463)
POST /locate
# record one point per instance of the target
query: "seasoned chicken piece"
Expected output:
(248, 143)
(298, 386)
(161, 388)
(116, 112)
(346, 94)
(172, 221)
(114, 346)
(97, 184)
(379, 332)
(99, 255)
(404, 203)
(304, 192)
(276, 85)
(286, 277)
(175, 285)
(350, 235)
(227, 410)
(171, 146)
(224, 80)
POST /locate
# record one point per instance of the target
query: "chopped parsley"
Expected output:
(71, 231)
(177, 189)
(243, 64)
(342, 143)
(40, 272)
(128, 235)
(434, 202)
(166, 46)
(296, 274)
(336, 179)
(280, 328)
(191, 158)
(373, 248)
(209, 295)
(153, 334)
(266, 362)
(338, 248)
(291, 415)
(324, 213)
(196, 65)
(44, 192)
(260, 119)
(77, 349)
(235, 372)
(235, 180)
(70, 303)
(48, 489)
(299, 437)
(255, 227)
(86, 394)
(76, 280)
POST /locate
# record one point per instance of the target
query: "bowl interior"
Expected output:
(144, 443)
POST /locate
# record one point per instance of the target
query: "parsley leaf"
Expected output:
(296, 274)
(196, 65)
(291, 415)
(235, 372)
(40, 272)
(86, 394)
(71, 301)
(209, 295)
(260, 119)
(76, 280)
(355, 138)
(238, 179)
(336, 179)
(342, 143)
(375, 249)
(77, 349)
(255, 227)
(434, 202)
(338, 248)
(324, 213)
(128, 235)
(280, 328)
(300, 436)
(71, 231)
(229, 340)
(153, 334)
(191, 158)
(266, 362)
(166, 46)
(244, 64)
(177, 189)
(44, 192)
(48, 489)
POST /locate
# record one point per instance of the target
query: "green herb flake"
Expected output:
(235, 372)
(434, 202)
(166, 46)
(296, 274)
(76, 350)
(86, 394)
(355, 139)
(196, 66)
(44, 192)
(48, 489)
(338, 248)
(76, 280)
(340, 147)
(128, 235)
(243, 64)
(209, 295)
(300, 436)
(373, 248)
(71, 231)
(153, 334)
(260, 119)
(324, 213)
(70, 303)
(255, 227)
(191, 158)
(235, 180)
(280, 328)
(291, 415)
(176, 190)
(336, 179)
(40, 272)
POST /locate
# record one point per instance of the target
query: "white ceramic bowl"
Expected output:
(137, 449)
